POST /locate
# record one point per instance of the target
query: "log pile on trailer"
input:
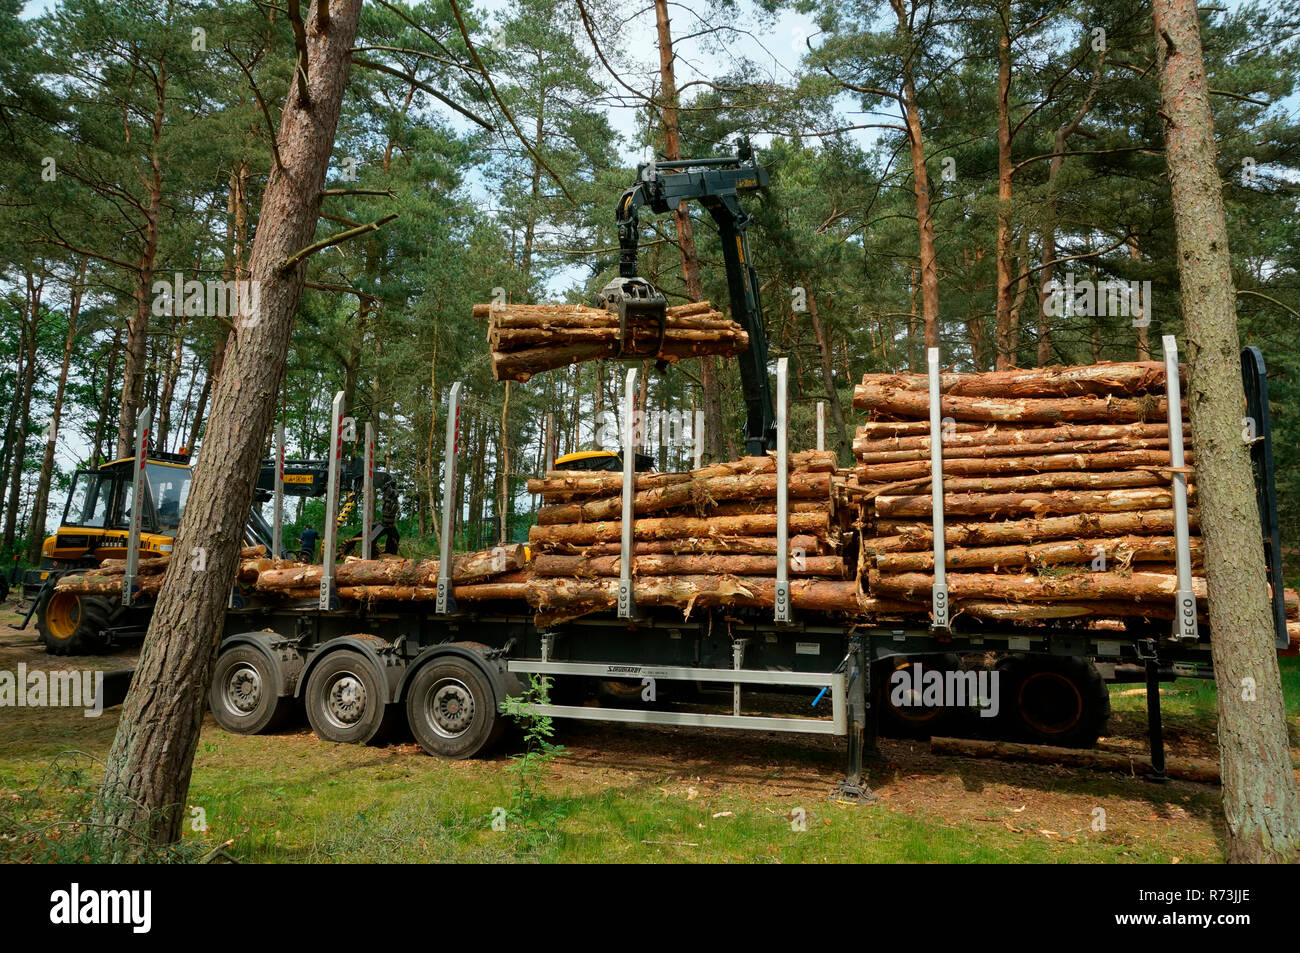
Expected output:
(1057, 493)
(703, 538)
(527, 339)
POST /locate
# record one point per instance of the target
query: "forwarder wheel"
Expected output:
(452, 710)
(244, 697)
(345, 699)
(1054, 700)
(70, 623)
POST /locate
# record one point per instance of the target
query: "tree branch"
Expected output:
(266, 113)
(381, 68)
(335, 239)
(460, 22)
(300, 44)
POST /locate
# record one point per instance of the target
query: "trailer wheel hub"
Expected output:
(243, 690)
(451, 707)
(345, 703)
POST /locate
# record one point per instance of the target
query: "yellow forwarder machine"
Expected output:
(96, 525)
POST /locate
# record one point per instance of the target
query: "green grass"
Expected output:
(291, 798)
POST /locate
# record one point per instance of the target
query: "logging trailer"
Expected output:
(447, 668)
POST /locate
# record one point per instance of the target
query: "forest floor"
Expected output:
(624, 794)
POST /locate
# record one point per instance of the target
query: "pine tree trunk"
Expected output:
(36, 525)
(137, 330)
(147, 772)
(18, 443)
(1259, 786)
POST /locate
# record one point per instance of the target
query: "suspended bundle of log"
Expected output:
(700, 539)
(527, 339)
(1057, 493)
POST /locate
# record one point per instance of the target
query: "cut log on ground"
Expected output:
(1184, 769)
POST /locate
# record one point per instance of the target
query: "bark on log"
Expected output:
(759, 524)
(1075, 586)
(1121, 551)
(734, 545)
(985, 451)
(1081, 525)
(603, 484)
(1015, 504)
(1122, 460)
(691, 592)
(1136, 377)
(673, 565)
(1185, 769)
(1003, 434)
(916, 404)
(468, 568)
(695, 495)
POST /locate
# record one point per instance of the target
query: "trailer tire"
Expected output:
(451, 709)
(346, 699)
(244, 695)
(915, 721)
(1054, 700)
(70, 623)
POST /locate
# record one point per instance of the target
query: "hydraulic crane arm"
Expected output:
(717, 184)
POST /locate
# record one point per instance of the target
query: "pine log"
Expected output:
(1122, 460)
(1037, 504)
(1121, 550)
(916, 404)
(523, 364)
(602, 484)
(517, 339)
(734, 545)
(468, 568)
(1004, 434)
(1043, 611)
(1081, 525)
(697, 495)
(882, 429)
(758, 524)
(1136, 377)
(673, 565)
(1185, 769)
(1092, 480)
(1072, 586)
(961, 451)
(690, 592)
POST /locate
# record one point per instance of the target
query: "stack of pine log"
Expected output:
(529, 338)
(107, 578)
(1058, 496)
(490, 575)
(703, 538)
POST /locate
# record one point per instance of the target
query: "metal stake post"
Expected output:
(368, 495)
(137, 506)
(697, 438)
(781, 599)
(328, 599)
(626, 597)
(1185, 625)
(446, 598)
(939, 592)
(277, 505)
(550, 444)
